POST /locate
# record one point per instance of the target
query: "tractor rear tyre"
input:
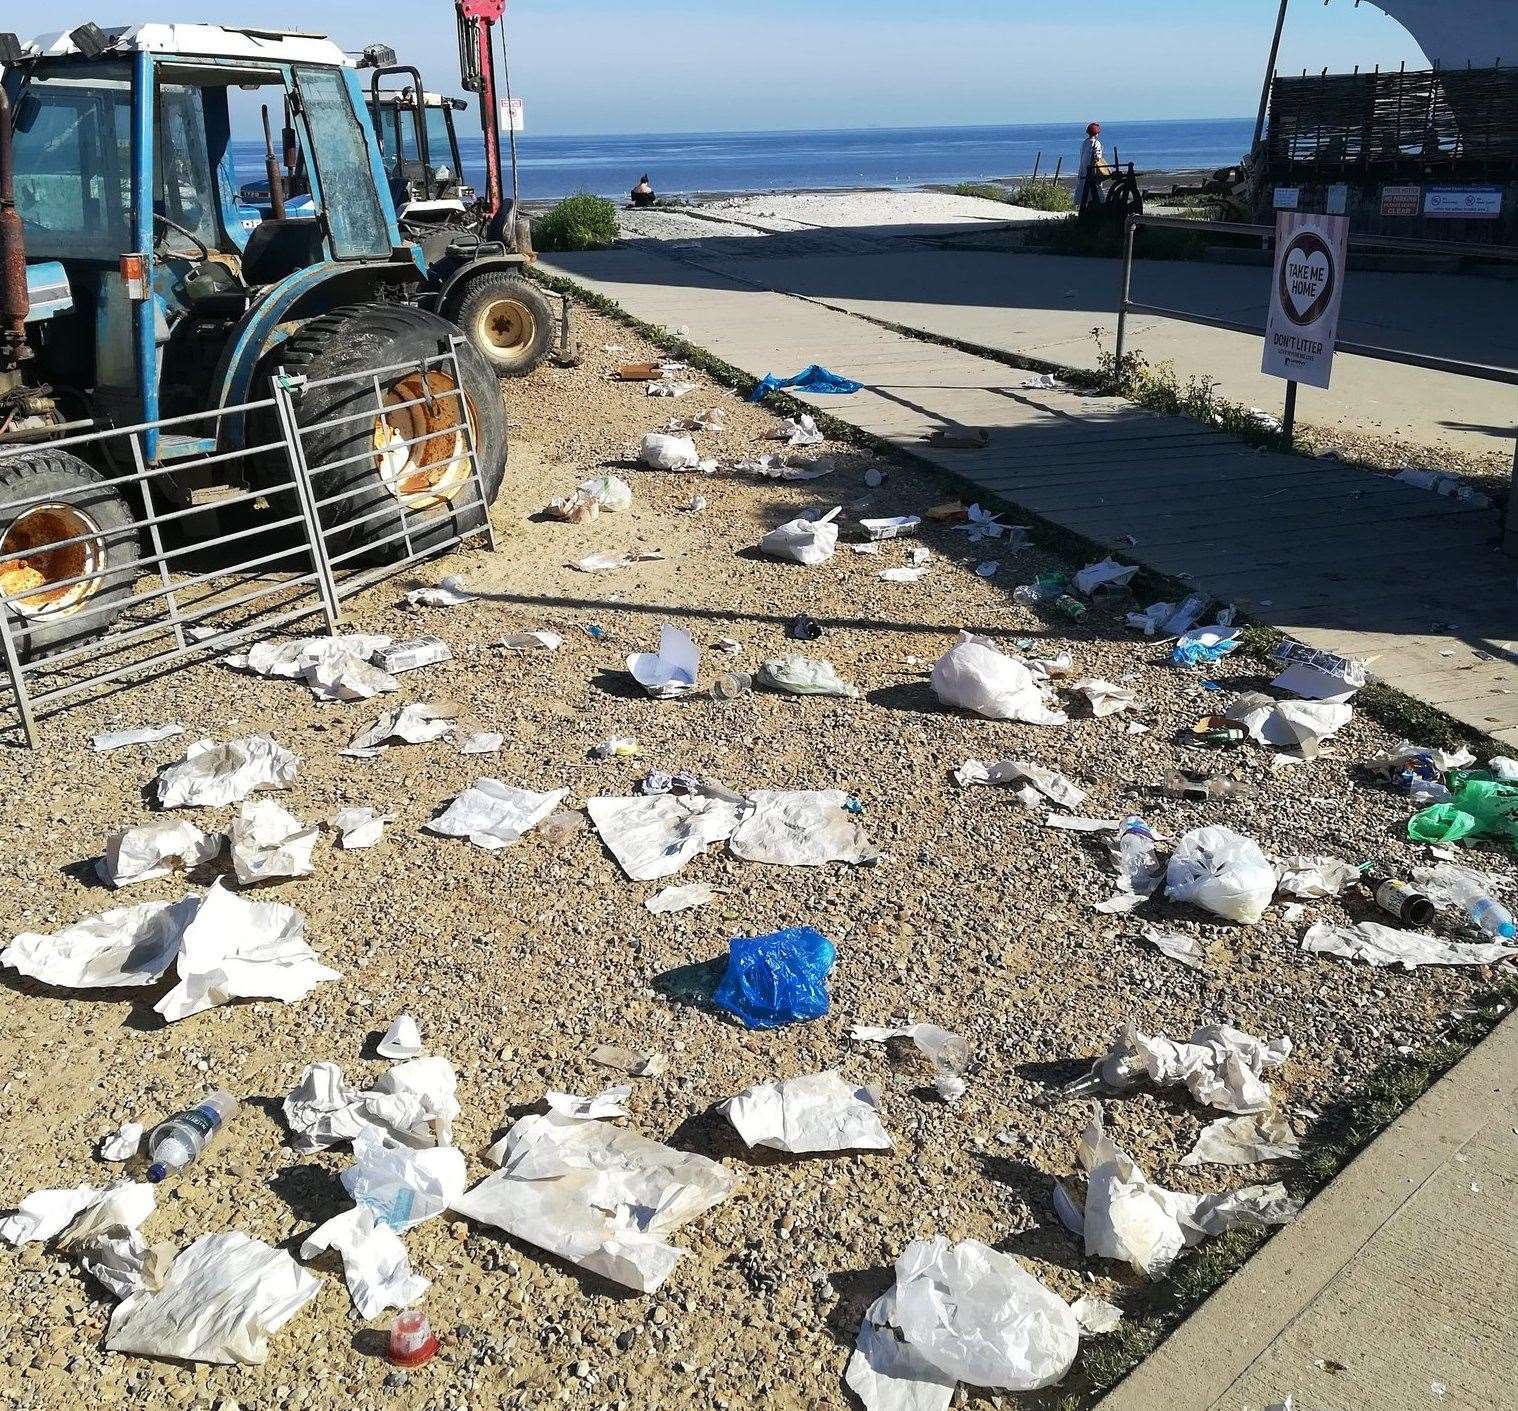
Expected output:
(384, 483)
(509, 320)
(64, 499)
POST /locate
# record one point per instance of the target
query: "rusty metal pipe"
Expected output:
(15, 302)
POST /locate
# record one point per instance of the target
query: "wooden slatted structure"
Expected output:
(1456, 124)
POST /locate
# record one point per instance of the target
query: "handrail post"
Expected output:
(1510, 535)
(1289, 414)
(1122, 305)
(17, 674)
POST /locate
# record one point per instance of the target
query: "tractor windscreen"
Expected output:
(73, 156)
(355, 217)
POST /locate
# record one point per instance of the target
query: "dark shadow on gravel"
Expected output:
(692, 984)
(312, 1193)
(857, 1289)
(915, 697)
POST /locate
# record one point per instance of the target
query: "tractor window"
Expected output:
(73, 155)
(185, 191)
(340, 151)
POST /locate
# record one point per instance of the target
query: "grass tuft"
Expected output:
(580, 222)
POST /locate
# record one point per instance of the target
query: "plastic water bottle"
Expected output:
(1138, 855)
(1485, 913)
(177, 1142)
(1180, 785)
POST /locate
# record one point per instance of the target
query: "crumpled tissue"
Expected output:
(452, 592)
(1222, 872)
(335, 668)
(376, 1265)
(1038, 783)
(1104, 697)
(1109, 573)
(1219, 1066)
(1315, 878)
(222, 1299)
(1244, 1140)
(122, 1144)
(493, 815)
(601, 1197)
(269, 842)
(973, 675)
(1297, 728)
(416, 724)
(403, 1039)
(154, 850)
(212, 774)
(672, 899)
(137, 735)
(1380, 945)
(655, 835)
(815, 1113)
(801, 828)
(238, 949)
(128, 945)
(360, 827)
(960, 1312)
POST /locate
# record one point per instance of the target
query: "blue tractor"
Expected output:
(135, 287)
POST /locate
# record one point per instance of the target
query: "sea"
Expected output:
(711, 163)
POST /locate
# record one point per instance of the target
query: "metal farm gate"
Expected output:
(140, 595)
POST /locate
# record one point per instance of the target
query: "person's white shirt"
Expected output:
(1091, 157)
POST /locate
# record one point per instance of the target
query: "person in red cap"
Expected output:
(1093, 162)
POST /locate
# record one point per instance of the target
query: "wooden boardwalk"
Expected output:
(1341, 559)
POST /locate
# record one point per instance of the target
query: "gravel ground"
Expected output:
(518, 963)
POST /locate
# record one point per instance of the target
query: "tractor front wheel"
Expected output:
(397, 465)
(509, 320)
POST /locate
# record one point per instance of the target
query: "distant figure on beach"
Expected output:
(1093, 162)
(643, 193)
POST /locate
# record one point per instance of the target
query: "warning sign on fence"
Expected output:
(1305, 296)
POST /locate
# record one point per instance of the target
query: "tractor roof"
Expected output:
(207, 41)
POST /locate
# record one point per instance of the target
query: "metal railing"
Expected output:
(145, 578)
(1459, 367)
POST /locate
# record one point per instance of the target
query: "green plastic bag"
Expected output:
(1493, 804)
(1442, 823)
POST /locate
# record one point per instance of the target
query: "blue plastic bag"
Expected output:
(777, 979)
(818, 381)
(1203, 646)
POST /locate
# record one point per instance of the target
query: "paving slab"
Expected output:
(1333, 556)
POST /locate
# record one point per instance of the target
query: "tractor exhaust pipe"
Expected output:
(15, 302)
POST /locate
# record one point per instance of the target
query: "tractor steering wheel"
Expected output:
(202, 249)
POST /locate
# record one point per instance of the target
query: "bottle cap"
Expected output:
(157, 1171)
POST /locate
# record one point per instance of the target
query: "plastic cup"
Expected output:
(412, 1341)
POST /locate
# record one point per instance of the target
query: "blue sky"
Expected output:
(601, 66)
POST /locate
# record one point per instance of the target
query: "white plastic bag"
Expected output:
(973, 675)
(661, 452)
(966, 1312)
(269, 842)
(128, 945)
(403, 1187)
(211, 774)
(804, 541)
(1222, 872)
(493, 815)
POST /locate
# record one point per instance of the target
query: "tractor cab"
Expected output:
(420, 150)
(151, 267)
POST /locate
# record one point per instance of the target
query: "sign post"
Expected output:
(1306, 293)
